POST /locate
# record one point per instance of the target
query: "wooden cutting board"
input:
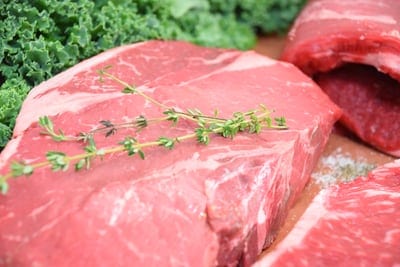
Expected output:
(349, 155)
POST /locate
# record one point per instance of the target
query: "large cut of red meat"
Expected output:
(194, 205)
(345, 35)
(353, 224)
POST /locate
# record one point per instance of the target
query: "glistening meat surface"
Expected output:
(370, 103)
(194, 205)
(353, 224)
(329, 34)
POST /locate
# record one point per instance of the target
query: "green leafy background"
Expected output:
(40, 38)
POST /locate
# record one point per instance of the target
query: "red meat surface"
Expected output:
(370, 101)
(351, 224)
(194, 205)
(329, 34)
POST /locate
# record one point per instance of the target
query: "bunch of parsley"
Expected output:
(40, 38)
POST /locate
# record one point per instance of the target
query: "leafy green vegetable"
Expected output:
(40, 38)
(265, 16)
(252, 121)
(12, 94)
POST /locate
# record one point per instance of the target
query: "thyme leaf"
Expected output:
(19, 169)
(166, 142)
(172, 115)
(252, 121)
(3, 185)
(129, 90)
(203, 135)
(58, 160)
(141, 122)
(48, 129)
(132, 147)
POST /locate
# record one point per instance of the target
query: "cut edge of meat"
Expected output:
(370, 101)
(300, 230)
(308, 140)
(328, 35)
(324, 54)
(378, 182)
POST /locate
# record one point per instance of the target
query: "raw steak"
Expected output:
(195, 205)
(353, 224)
(329, 34)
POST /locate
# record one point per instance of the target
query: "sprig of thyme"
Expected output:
(48, 129)
(253, 121)
(128, 89)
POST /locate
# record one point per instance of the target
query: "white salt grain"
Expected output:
(339, 167)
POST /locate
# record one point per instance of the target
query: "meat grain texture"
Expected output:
(195, 205)
(352, 50)
(351, 224)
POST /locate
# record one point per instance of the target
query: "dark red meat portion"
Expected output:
(329, 34)
(370, 101)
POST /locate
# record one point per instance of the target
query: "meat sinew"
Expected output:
(343, 36)
(353, 224)
(194, 205)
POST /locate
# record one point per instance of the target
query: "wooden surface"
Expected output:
(272, 46)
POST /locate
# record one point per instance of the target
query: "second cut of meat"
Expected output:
(334, 41)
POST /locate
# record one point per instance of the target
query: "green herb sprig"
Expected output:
(253, 122)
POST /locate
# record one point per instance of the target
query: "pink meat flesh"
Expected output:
(195, 205)
(329, 34)
(353, 224)
(192, 206)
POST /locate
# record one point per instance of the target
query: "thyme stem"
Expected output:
(252, 121)
(131, 89)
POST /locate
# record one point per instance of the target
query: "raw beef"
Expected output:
(371, 104)
(195, 205)
(330, 34)
(353, 224)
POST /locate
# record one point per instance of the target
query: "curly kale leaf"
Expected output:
(40, 38)
(10, 103)
(265, 16)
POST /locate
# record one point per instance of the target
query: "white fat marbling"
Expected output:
(119, 205)
(246, 61)
(392, 33)
(391, 236)
(62, 78)
(37, 211)
(326, 14)
(56, 102)
(308, 220)
(219, 59)
(393, 164)
(9, 150)
(249, 60)
(389, 60)
(315, 212)
(380, 192)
